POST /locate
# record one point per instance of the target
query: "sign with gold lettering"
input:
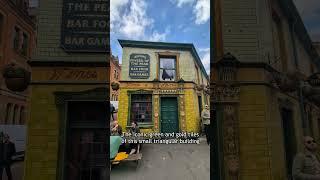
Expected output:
(139, 66)
(73, 74)
(67, 74)
(85, 24)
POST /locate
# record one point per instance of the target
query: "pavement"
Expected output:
(167, 162)
(159, 162)
(16, 170)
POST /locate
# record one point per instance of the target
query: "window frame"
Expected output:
(167, 54)
(16, 41)
(197, 72)
(201, 74)
(140, 92)
(15, 114)
(25, 50)
(8, 113)
(284, 105)
(21, 118)
(72, 126)
(175, 67)
(62, 102)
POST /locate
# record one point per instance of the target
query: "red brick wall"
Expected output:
(14, 16)
(114, 67)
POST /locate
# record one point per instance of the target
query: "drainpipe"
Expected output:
(301, 83)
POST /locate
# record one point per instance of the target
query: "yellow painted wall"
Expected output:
(43, 128)
(191, 111)
(123, 108)
(254, 145)
(262, 154)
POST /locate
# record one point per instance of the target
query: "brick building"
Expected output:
(264, 105)
(17, 42)
(164, 80)
(115, 76)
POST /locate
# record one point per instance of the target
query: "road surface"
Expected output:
(168, 162)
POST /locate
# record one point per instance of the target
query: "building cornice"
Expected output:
(68, 63)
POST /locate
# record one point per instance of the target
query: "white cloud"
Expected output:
(134, 23)
(115, 7)
(202, 11)
(205, 58)
(129, 19)
(204, 49)
(180, 3)
(186, 29)
(163, 15)
(156, 36)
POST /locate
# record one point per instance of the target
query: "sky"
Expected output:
(310, 13)
(179, 21)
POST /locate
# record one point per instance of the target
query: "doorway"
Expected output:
(169, 115)
(289, 139)
(86, 140)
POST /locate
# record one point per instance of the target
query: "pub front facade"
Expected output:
(163, 86)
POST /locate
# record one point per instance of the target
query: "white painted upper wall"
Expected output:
(186, 64)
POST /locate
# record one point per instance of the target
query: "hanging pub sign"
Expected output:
(139, 66)
(85, 24)
(314, 79)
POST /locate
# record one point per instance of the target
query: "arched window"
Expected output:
(22, 116)
(16, 38)
(15, 114)
(8, 109)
